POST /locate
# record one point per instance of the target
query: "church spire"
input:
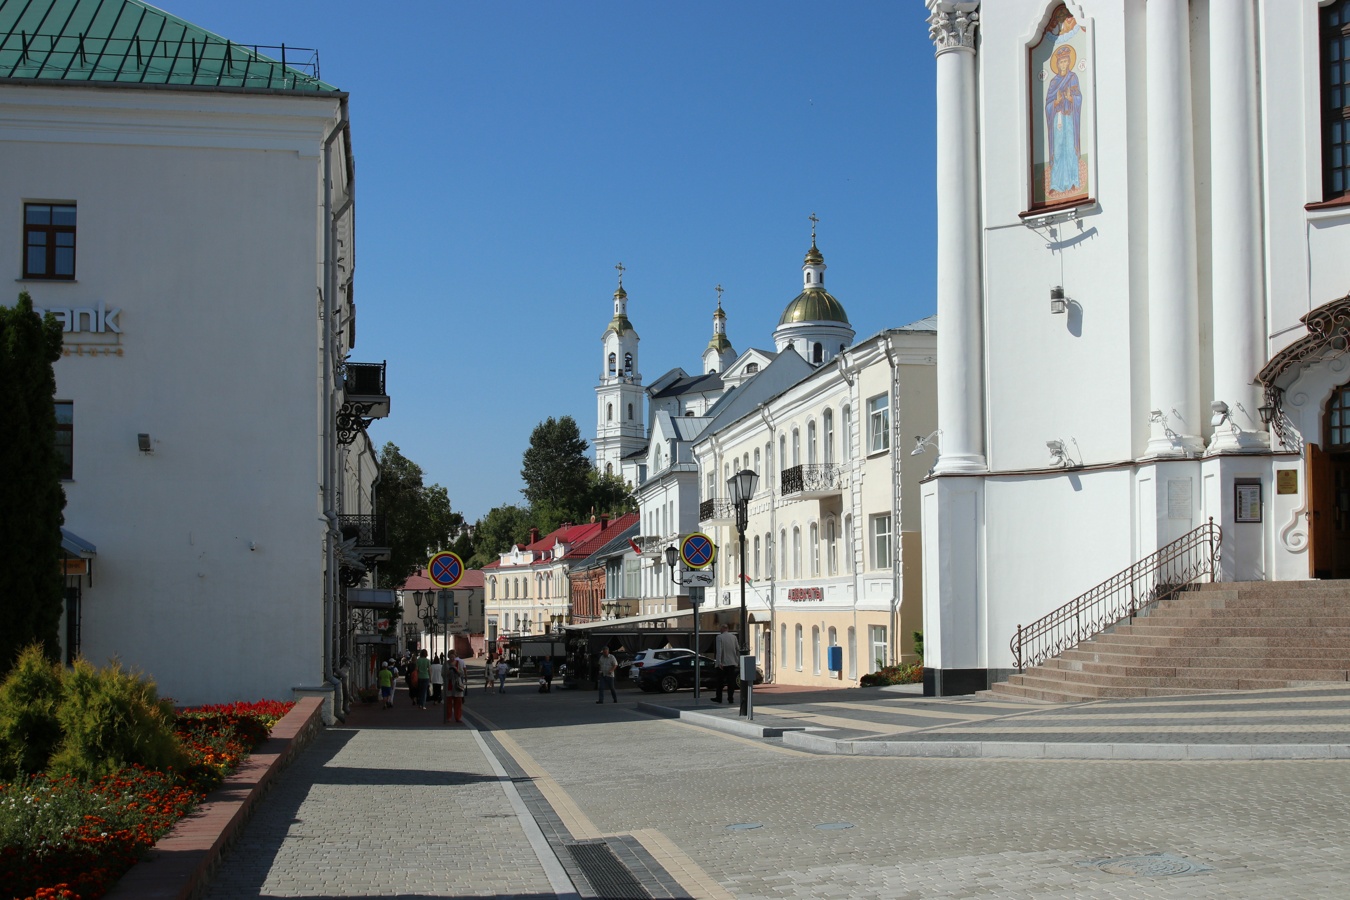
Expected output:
(719, 353)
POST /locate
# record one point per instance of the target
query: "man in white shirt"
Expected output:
(726, 656)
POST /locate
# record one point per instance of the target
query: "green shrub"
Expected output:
(29, 730)
(902, 674)
(111, 718)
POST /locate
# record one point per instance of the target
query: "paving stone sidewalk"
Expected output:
(394, 804)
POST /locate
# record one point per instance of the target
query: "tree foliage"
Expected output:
(31, 496)
(556, 470)
(497, 531)
(418, 518)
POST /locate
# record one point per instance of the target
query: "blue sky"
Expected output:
(510, 153)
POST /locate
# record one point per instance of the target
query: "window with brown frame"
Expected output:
(49, 241)
(1335, 34)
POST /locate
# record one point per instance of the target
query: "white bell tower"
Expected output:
(620, 413)
(719, 353)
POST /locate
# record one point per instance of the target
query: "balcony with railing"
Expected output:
(813, 480)
(717, 511)
(363, 399)
(364, 535)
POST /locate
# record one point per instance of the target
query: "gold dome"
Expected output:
(814, 305)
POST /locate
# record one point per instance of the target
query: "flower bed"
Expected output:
(902, 674)
(61, 838)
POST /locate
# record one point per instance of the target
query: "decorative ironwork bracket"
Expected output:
(352, 420)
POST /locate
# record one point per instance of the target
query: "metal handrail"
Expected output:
(1165, 572)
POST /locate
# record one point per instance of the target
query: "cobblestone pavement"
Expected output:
(635, 805)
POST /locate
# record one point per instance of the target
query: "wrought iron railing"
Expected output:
(364, 379)
(716, 508)
(812, 477)
(367, 528)
(1167, 571)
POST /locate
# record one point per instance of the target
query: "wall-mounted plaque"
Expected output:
(1286, 481)
(1247, 501)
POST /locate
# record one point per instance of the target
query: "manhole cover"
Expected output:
(833, 826)
(744, 826)
(1149, 865)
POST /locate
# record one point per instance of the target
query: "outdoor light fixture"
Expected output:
(742, 487)
(1059, 456)
(922, 444)
(1220, 413)
(1058, 304)
(143, 442)
(1267, 412)
(671, 556)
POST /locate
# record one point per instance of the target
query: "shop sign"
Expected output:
(797, 595)
(94, 319)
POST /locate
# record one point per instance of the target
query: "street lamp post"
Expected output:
(742, 487)
(428, 615)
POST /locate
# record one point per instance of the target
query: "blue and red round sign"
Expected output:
(445, 569)
(698, 551)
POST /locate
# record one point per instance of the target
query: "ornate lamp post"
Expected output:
(428, 616)
(742, 487)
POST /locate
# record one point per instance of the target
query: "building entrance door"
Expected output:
(1329, 491)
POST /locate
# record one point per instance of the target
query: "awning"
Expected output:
(611, 624)
(74, 545)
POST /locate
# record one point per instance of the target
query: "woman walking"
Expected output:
(456, 686)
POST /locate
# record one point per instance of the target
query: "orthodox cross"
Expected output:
(814, 220)
(719, 296)
(621, 271)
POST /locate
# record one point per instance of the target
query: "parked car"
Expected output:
(646, 658)
(676, 673)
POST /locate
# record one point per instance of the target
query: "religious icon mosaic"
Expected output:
(1062, 70)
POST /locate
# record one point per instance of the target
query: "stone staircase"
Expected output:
(1217, 637)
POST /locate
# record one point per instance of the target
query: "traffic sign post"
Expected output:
(696, 580)
(697, 551)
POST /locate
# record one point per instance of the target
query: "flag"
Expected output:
(746, 578)
(636, 549)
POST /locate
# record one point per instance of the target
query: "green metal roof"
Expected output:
(814, 305)
(130, 42)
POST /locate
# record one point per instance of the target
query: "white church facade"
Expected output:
(1143, 258)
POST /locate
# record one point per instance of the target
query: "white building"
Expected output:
(832, 540)
(184, 206)
(1143, 228)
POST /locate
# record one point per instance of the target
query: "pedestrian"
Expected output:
(546, 676)
(409, 668)
(488, 668)
(387, 685)
(607, 666)
(423, 678)
(437, 674)
(502, 670)
(726, 656)
(457, 684)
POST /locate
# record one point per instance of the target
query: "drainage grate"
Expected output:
(1149, 865)
(606, 874)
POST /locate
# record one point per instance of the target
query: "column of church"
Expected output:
(960, 367)
(1173, 305)
(1236, 228)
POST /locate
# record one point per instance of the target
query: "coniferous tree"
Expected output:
(31, 496)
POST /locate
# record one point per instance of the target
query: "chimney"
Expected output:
(604, 522)
(534, 535)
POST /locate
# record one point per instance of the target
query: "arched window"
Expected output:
(757, 557)
(751, 368)
(525, 588)
(1336, 425)
(833, 637)
(846, 432)
(609, 412)
(757, 468)
(628, 364)
(782, 646)
(796, 552)
(811, 457)
(799, 648)
(768, 459)
(796, 447)
(827, 423)
(782, 553)
(848, 542)
(630, 412)
(815, 649)
(782, 452)
(609, 468)
(768, 554)
(492, 588)
(852, 653)
(815, 549)
(817, 354)
(832, 546)
(613, 363)
(1335, 100)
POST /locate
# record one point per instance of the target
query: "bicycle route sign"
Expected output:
(697, 550)
(445, 569)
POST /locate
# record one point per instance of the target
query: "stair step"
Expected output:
(1155, 670)
(1218, 657)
